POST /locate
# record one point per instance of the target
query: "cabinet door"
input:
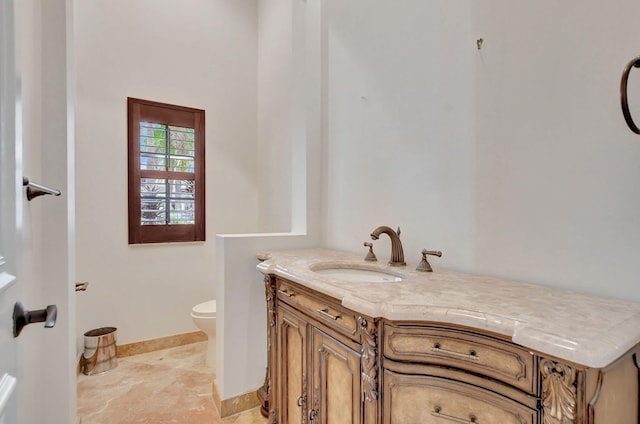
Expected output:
(336, 390)
(420, 399)
(291, 369)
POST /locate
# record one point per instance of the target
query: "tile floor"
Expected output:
(162, 387)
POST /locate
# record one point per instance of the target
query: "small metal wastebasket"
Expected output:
(99, 351)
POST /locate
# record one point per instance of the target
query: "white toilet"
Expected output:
(204, 317)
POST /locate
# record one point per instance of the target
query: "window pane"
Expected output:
(153, 201)
(182, 212)
(182, 195)
(182, 189)
(181, 149)
(153, 146)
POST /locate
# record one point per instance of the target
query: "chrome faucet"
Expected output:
(397, 255)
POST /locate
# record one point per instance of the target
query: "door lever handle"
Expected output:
(35, 190)
(22, 317)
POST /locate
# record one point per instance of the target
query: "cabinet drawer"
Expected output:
(479, 354)
(423, 399)
(326, 310)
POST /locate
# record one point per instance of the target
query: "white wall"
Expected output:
(400, 134)
(241, 321)
(275, 45)
(513, 160)
(557, 189)
(198, 53)
(295, 192)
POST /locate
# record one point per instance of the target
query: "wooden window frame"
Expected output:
(139, 110)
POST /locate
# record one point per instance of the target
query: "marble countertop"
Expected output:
(585, 329)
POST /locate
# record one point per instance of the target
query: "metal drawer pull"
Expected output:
(326, 313)
(472, 418)
(286, 293)
(301, 400)
(473, 355)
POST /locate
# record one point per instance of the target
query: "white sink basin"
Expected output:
(358, 275)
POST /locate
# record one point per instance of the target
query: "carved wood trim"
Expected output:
(369, 351)
(313, 412)
(303, 404)
(267, 403)
(270, 294)
(559, 393)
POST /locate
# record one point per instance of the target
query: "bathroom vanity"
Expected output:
(355, 342)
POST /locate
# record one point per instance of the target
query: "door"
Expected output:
(291, 371)
(8, 190)
(336, 396)
(37, 367)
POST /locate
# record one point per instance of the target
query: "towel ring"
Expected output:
(635, 63)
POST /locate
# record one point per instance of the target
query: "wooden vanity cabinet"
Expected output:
(317, 360)
(427, 399)
(331, 365)
(438, 373)
(318, 376)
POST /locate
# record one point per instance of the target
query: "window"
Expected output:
(166, 172)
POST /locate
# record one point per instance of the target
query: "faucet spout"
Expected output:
(397, 254)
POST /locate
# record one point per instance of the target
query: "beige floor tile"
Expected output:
(166, 386)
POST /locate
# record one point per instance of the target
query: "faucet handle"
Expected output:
(371, 257)
(424, 264)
